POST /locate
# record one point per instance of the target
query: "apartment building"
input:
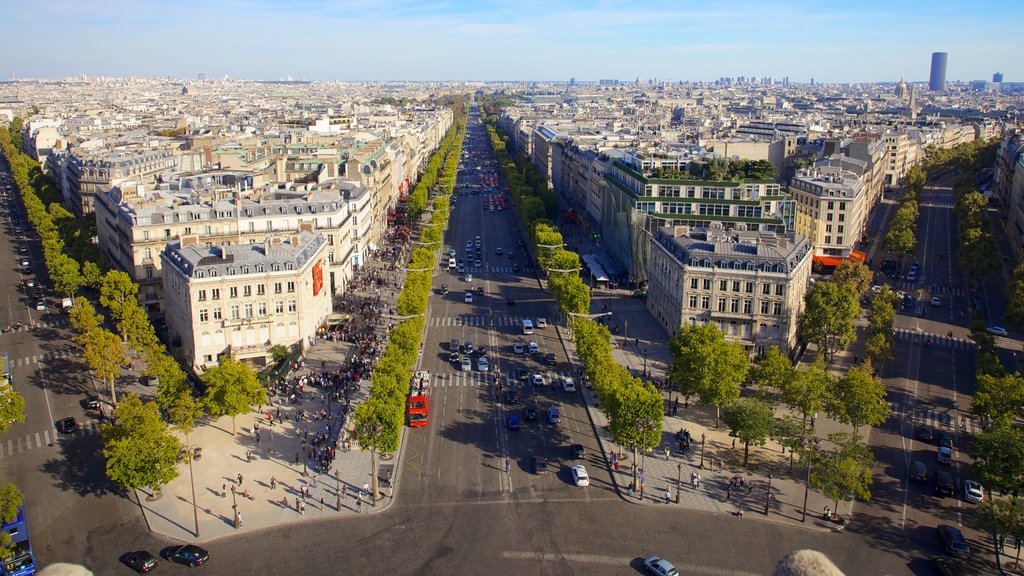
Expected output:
(831, 212)
(1008, 189)
(88, 173)
(133, 229)
(242, 299)
(750, 285)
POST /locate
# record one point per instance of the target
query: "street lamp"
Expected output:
(679, 480)
(643, 428)
(417, 269)
(645, 362)
(192, 452)
(768, 493)
(703, 436)
(371, 432)
(337, 491)
(807, 479)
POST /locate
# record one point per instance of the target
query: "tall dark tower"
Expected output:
(937, 80)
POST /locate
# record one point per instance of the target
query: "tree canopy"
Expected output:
(232, 389)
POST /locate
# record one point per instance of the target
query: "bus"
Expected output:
(418, 405)
(21, 562)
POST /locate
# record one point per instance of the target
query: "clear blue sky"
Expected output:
(831, 41)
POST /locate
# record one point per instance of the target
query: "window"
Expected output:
(149, 272)
(736, 286)
(247, 290)
(766, 289)
(750, 287)
(261, 309)
(248, 310)
(216, 313)
(167, 232)
(291, 306)
(705, 302)
(147, 253)
(233, 291)
(777, 308)
(207, 231)
(204, 315)
(145, 234)
(215, 293)
(234, 311)
(780, 289)
(828, 239)
(748, 306)
(723, 285)
(693, 301)
(277, 287)
(839, 228)
(707, 284)
(693, 283)
(734, 306)
(721, 304)
(260, 289)
(291, 287)
(279, 307)
(765, 307)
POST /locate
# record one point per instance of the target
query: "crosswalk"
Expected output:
(47, 357)
(461, 379)
(942, 198)
(45, 439)
(915, 337)
(467, 320)
(482, 269)
(56, 323)
(912, 288)
(938, 420)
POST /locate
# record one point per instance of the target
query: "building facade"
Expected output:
(831, 211)
(242, 299)
(750, 285)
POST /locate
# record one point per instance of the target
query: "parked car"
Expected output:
(568, 384)
(540, 465)
(553, 416)
(67, 425)
(660, 566)
(925, 434)
(518, 348)
(513, 423)
(946, 439)
(954, 541)
(578, 451)
(188, 554)
(944, 485)
(538, 380)
(944, 455)
(918, 472)
(533, 348)
(542, 322)
(947, 567)
(531, 413)
(140, 561)
(580, 476)
(974, 491)
(997, 330)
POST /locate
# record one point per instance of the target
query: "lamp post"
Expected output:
(234, 506)
(703, 437)
(679, 480)
(191, 454)
(337, 491)
(807, 478)
(371, 433)
(645, 362)
(304, 458)
(643, 428)
(768, 493)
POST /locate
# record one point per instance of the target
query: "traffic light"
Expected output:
(597, 235)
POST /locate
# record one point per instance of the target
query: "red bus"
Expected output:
(418, 406)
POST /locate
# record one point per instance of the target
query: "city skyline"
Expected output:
(458, 40)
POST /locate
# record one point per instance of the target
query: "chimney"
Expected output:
(296, 240)
(306, 227)
(189, 241)
(275, 240)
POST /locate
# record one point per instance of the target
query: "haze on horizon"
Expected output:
(871, 41)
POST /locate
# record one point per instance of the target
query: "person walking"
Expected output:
(668, 496)
(508, 466)
(359, 506)
(273, 482)
(239, 479)
(302, 507)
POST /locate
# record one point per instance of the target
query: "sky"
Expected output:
(351, 40)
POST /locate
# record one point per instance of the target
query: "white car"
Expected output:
(660, 566)
(40, 305)
(534, 348)
(542, 322)
(469, 277)
(518, 348)
(936, 301)
(477, 264)
(580, 476)
(974, 491)
(468, 298)
(997, 330)
(568, 385)
(538, 380)
(944, 455)
(483, 365)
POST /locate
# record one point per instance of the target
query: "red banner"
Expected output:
(318, 277)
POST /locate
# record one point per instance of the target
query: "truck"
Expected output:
(418, 404)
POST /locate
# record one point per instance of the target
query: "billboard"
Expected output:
(318, 277)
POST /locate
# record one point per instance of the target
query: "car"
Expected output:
(531, 413)
(462, 268)
(533, 347)
(511, 397)
(540, 465)
(187, 554)
(453, 344)
(444, 289)
(477, 263)
(511, 255)
(37, 294)
(467, 347)
(550, 359)
(660, 566)
(542, 323)
(91, 403)
(468, 297)
(469, 244)
(944, 485)
(925, 434)
(568, 385)
(141, 561)
(67, 425)
(515, 267)
(918, 472)
(510, 301)
(936, 301)
(997, 330)
(912, 276)
(523, 375)
(514, 423)
(498, 250)
(518, 348)
(947, 567)
(946, 439)
(30, 283)
(40, 305)
(453, 356)
(974, 491)
(944, 455)
(483, 365)
(578, 451)
(479, 290)
(466, 364)
(954, 541)
(580, 476)
(537, 380)
(481, 351)
(553, 416)
(469, 277)
(453, 253)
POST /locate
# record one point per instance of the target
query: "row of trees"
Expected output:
(830, 309)
(901, 239)
(978, 254)
(721, 170)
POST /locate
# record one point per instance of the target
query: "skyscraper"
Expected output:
(937, 80)
(997, 78)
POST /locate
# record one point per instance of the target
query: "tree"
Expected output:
(810, 390)
(278, 352)
(377, 425)
(1008, 520)
(232, 389)
(66, 276)
(915, 179)
(139, 448)
(827, 319)
(12, 403)
(135, 327)
(105, 356)
(116, 290)
(706, 365)
(854, 275)
(1015, 292)
(999, 399)
(790, 432)
(844, 473)
(880, 321)
(858, 399)
(774, 371)
(751, 421)
(83, 316)
(92, 277)
(998, 454)
(635, 415)
(978, 254)
(11, 500)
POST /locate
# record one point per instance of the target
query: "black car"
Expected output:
(550, 359)
(918, 472)
(189, 554)
(480, 290)
(954, 541)
(511, 301)
(67, 425)
(944, 485)
(947, 567)
(925, 434)
(444, 289)
(511, 397)
(578, 451)
(91, 403)
(946, 440)
(140, 561)
(531, 413)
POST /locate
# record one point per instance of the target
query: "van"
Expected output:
(527, 326)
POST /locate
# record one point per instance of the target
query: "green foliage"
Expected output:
(751, 421)
(116, 291)
(11, 498)
(66, 275)
(828, 316)
(998, 454)
(999, 399)
(1007, 518)
(858, 399)
(844, 473)
(810, 391)
(880, 322)
(139, 448)
(278, 352)
(92, 276)
(1014, 314)
(915, 179)
(854, 275)
(104, 355)
(902, 235)
(12, 405)
(232, 389)
(378, 425)
(83, 316)
(774, 371)
(706, 365)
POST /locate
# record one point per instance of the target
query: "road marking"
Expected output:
(10, 447)
(39, 441)
(46, 436)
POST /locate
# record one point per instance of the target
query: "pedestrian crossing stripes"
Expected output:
(934, 339)
(913, 287)
(61, 323)
(47, 357)
(938, 420)
(495, 269)
(461, 379)
(45, 439)
(497, 321)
